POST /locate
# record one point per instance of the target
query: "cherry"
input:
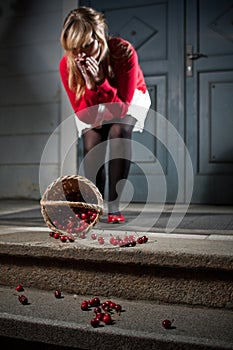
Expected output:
(132, 243)
(82, 235)
(167, 324)
(107, 319)
(71, 238)
(131, 238)
(100, 316)
(19, 288)
(84, 305)
(105, 306)
(57, 294)
(95, 322)
(140, 240)
(56, 235)
(112, 305)
(93, 236)
(23, 299)
(63, 238)
(118, 308)
(97, 301)
(84, 216)
(70, 224)
(97, 310)
(145, 239)
(121, 243)
(94, 301)
(113, 240)
(101, 240)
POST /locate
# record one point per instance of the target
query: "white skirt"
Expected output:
(138, 109)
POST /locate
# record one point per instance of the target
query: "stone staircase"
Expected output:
(175, 276)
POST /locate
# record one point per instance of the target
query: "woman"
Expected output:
(105, 86)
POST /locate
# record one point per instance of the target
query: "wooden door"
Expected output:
(209, 91)
(156, 31)
(192, 93)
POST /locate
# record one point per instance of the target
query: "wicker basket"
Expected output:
(71, 204)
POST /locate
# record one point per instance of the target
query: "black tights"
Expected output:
(117, 137)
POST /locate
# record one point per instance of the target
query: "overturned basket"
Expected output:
(71, 205)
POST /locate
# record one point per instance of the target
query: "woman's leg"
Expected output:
(119, 160)
(94, 156)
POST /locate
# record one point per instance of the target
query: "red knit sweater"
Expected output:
(116, 94)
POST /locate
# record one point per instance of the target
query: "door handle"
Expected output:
(190, 57)
(196, 56)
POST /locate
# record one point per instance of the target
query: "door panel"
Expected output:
(209, 100)
(146, 25)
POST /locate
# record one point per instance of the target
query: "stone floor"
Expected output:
(201, 236)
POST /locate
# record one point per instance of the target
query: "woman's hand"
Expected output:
(91, 71)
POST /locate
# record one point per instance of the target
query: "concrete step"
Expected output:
(48, 321)
(168, 268)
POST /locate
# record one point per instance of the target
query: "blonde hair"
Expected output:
(79, 26)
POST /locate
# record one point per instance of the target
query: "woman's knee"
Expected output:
(121, 130)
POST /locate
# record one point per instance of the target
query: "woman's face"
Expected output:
(90, 48)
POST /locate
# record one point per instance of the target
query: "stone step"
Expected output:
(61, 322)
(168, 268)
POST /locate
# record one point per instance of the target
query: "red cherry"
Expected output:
(95, 322)
(57, 294)
(131, 238)
(118, 308)
(145, 239)
(107, 319)
(70, 224)
(71, 238)
(97, 310)
(84, 216)
(113, 241)
(126, 240)
(97, 301)
(93, 236)
(112, 305)
(56, 235)
(19, 288)
(140, 240)
(100, 316)
(92, 218)
(63, 239)
(101, 240)
(23, 299)
(84, 305)
(167, 324)
(92, 302)
(120, 242)
(77, 229)
(82, 235)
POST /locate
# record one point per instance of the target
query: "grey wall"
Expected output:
(30, 98)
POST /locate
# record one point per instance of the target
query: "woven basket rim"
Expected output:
(75, 177)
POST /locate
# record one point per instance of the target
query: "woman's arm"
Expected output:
(117, 98)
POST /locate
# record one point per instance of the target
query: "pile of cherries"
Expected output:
(103, 311)
(126, 241)
(75, 226)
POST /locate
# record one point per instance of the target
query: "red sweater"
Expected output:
(120, 91)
